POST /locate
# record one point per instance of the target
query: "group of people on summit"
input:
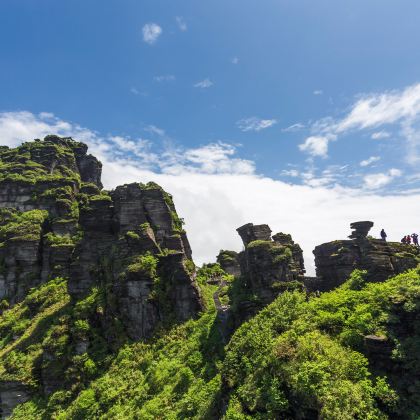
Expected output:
(413, 238)
(408, 239)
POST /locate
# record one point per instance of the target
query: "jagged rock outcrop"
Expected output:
(268, 266)
(336, 260)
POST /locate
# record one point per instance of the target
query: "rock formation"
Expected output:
(126, 246)
(57, 221)
(251, 232)
(268, 266)
(337, 259)
(229, 261)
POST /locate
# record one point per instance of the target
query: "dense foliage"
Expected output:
(298, 358)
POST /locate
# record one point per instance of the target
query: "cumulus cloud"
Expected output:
(182, 25)
(369, 161)
(151, 32)
(214, 158)
(216, 191)
(255, 124)
(316, 146)
(204, 84)
(379, 180)
(16, 127)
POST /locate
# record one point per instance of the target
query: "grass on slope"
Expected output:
(304, 359)
(301, 357)
(175, 375)
(23, 328)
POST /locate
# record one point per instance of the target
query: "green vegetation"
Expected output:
(297, 358)
(18, 226)
(24, 328)
(260, 243)
(62, 240)
(144, 265)
(226, 257)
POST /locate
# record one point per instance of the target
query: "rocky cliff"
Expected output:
(125, 248)
(57, 221)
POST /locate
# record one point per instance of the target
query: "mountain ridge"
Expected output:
(90, 278)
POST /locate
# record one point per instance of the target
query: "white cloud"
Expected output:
(318, 92)
(373, 111)
(293, 127)
(16, 127)
(235, 60)
(255, 124)
(181, 23)
(293, 173)
(214, 158)
(151, 32)
(379, 180)
(204, 84)
(215, 191)
(379, 135)
(316, 146)
(155, 130)
(369, 161)
(164, 78)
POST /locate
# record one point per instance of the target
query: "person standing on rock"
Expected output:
(383, 235)
(415, 239)
(408, 240)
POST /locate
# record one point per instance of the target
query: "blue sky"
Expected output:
(322, 95)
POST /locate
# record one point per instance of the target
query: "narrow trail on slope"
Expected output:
(222, 311)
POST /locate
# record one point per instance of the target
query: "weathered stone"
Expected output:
(229, 261)
(21, 268)
(267, 267)
(138, 312)
(183, 290)
(12, 393)
(360, 229)
(336, 260)
(251, 232)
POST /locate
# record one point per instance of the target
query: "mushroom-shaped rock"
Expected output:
(251, 232)
(360, 229)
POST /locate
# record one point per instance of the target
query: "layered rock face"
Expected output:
(39, 185)
(268, 265)
(57, 221)
(336, 260)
